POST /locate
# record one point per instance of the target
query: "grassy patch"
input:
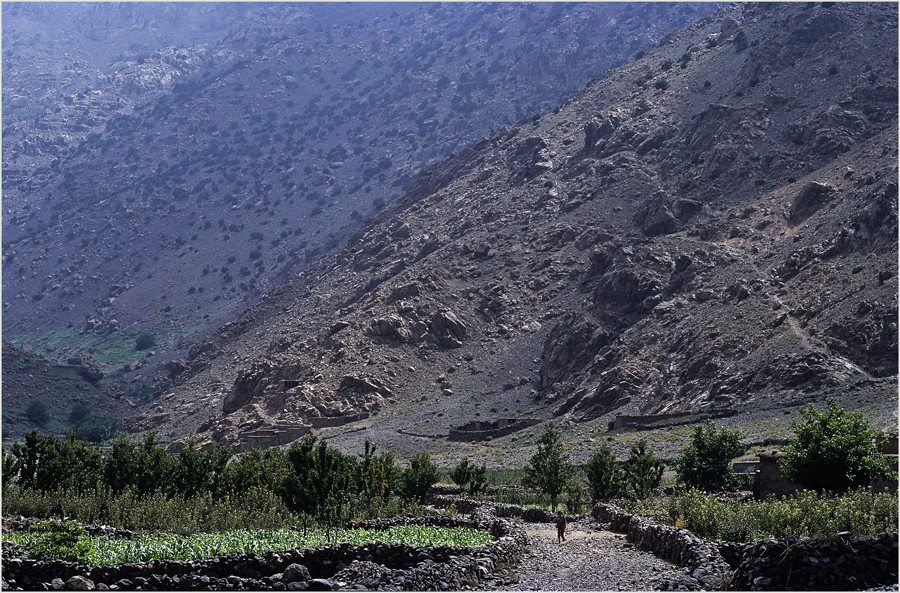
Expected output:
(809, 513)
(111, 551)
(113, 351)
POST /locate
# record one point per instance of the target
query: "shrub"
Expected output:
(661, 84)
(834, 450)
(144, 341)
(477, 479)
(605, 477)
(574, 497)
(379, 477)
(419, 477)
(740, 41)
(706, 463)
(471, 476)
(37, 414)
(809, 513)
(548, 471)
(643, 470)
(79, 412)
(96, 429)
(322, 480)
(61, 540)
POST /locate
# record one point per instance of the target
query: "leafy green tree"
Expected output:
(120, 464)
(604, 474)
(469, 476)
(548, 471)
(419, 477)
(706, 463)
(379, 477)
(322, 481)
(574, 496)
(37, 414)
(49, 463)
(834, 450)
(11, 467)
(96, 429)
(477, 479)
(154, 467)
(264, 468)
(461, 473)
(197, 471)
(643, 470)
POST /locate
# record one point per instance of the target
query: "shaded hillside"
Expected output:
(57, 389)
(187, 181)
(711, 224)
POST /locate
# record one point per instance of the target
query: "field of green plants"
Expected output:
(860, 512)
(68, 541)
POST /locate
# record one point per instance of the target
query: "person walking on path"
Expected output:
(560, 528)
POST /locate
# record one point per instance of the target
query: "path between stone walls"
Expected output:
(589, 560)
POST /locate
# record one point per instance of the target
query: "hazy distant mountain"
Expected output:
(164, 165)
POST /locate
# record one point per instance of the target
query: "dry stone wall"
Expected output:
(707, 568)
(837, 563)
(391, 566)
(823, 563)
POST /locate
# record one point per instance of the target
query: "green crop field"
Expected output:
(97, 551)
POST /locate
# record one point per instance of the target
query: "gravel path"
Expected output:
(589, 560)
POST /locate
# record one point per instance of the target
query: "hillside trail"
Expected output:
(589, 560)
(806, 339)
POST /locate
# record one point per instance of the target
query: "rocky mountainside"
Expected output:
(57, 389)
(711, 224)
(165, 191)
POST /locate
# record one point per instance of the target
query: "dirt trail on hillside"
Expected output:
(589, 560)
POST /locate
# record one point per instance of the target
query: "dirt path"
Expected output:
(589, 560)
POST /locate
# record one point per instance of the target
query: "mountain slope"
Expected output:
(650, 247)
(57, 389)
(188, 181)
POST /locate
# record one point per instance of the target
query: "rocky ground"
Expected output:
(589, 560)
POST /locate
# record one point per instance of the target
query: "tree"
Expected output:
(834, 450)
(547, 470)
(37, 414)
(477, 479)
(461, 473)
(419, 477)
(469, 475)
(379, 477)
(706, 463)
(144, 341)
(604, 474)
(322, 481)
(643, 470)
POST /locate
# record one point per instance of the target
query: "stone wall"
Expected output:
(468, 506)
(329, 421)
(814, 564)
(648, 421)
(481, 431)
(707, 569)
(836, 563)
(392, 566)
